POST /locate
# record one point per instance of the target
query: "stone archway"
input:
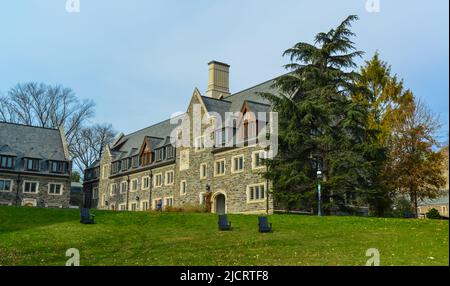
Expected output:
(219, 203)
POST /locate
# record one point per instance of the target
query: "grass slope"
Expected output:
(30, 236)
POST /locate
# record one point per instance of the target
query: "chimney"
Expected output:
(218, 80)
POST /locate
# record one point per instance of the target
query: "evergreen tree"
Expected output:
(320, 127)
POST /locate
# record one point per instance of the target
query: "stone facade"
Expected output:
(197, 171)
(34, 167)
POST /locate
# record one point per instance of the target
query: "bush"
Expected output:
(187, 208)
(433, 214)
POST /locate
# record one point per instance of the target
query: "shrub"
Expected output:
(433, 214)
(187, 208)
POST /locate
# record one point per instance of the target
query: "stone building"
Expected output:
(214, 161)
(34, 166)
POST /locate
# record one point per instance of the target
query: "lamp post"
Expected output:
(319, 176)
(17, 189)
(128, 190)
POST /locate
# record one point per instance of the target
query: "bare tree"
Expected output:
(88, 143)
(38, 104)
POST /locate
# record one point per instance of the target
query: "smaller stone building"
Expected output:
(34, 166)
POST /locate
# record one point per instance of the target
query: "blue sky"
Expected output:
(141, 60)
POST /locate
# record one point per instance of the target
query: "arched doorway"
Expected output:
(219, 203)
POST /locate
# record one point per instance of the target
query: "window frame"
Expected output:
(254, 200)
(55, 184)
(30, 182)
(11, 183)
(183, 183)
(233, 164)
(205, 175)
(166, 178)
(224, 167)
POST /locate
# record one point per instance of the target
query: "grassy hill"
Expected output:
(30, 236)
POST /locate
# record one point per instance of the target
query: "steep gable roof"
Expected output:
(32, 142)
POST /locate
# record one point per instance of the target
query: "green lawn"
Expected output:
(31, 236)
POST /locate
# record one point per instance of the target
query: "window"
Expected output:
(144, 205)
(158, 180)
(256, 193)
(237, 164)
(123, 187)
(114, 189)
(135, 161)
(203, 170)
(134, 185)
(115, 167)
(54, 189)
(145, 183)
(170, 152)
(257, 159)
(6, 162)
(183, 187)
(219, 167)
(200, 143)
(30, 187)
(160, 154)
(32, 164)
(95, 193)
(5, 185)
(57, 167)
(169, 202)
(125, 164)
(133, 207)
(169, 177)
(122, 207)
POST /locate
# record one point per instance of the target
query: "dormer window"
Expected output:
(32, 164)
(160, 154)
(135, 161)
(170, 152)
(125, 165)
(6, 162)
(57, 167)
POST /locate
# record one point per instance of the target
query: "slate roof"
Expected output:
(442, 200)
(31, 142)
(159, 133)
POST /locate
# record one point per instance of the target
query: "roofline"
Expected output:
(220, 100)
(255, 102)
(139, 130)
(256, 85)
(25, 125)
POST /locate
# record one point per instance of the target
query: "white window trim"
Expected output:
(37, 187)
(254, 167)
(155, 181)
(185, 186)
(120, 187)
(111, 192)
(60, 191)
(224, 167)
(11, 185)
(232, 164)
(166, 178)
(133, 202)
(120, 207)
(165, 201)
(259, 200)
(142, 205)
(206, 171)
(137, 185)
(143, 185)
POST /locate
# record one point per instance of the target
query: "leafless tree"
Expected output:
(38, 104)
(88, 143)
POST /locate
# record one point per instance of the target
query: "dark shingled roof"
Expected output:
(31, 142)
(160, 132)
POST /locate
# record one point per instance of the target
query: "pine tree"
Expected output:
(320, 127)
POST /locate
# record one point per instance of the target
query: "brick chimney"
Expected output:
(218, 80)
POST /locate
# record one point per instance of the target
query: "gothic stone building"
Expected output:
(34, 166)
(144, 170)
